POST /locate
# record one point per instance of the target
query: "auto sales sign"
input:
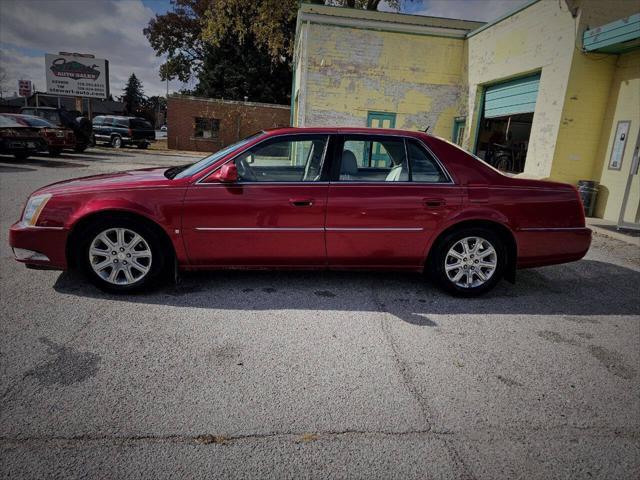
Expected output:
(77, 75)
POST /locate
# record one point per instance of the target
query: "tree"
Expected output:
(271, 23)
(235, 71)
(154, 109)
(133, 97)
(4, 80)
(235, 48)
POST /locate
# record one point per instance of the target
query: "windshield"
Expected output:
(211, 159)
(49, 115)
(35, 121)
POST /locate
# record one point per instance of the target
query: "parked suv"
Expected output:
(72, 119)
(122, 131)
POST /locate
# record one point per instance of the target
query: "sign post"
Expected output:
(24, 89)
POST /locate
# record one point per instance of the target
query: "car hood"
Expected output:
(144, 178)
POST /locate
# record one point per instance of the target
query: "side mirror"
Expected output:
(228, 173)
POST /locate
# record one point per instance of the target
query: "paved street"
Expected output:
(314, 375)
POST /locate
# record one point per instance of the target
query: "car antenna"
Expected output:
(427, 129)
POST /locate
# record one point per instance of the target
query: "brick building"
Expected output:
(207, 125)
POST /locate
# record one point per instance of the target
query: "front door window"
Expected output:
(283, 160)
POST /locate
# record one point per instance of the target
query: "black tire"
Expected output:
(55, 152)
(21, 155)
(438, 259)
(158, 262)
(79, 148)
(116, 141)
(143, 146)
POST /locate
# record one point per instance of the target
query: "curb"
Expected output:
(616, 235)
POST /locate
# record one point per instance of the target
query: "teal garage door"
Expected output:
(512, 97)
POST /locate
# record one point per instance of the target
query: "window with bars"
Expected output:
(208, 128)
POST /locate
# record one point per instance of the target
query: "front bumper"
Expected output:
(39, 246)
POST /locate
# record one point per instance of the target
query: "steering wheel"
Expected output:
(244, 170)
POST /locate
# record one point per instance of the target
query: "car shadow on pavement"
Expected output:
(9, 169)
(39, 161)
(578, 289)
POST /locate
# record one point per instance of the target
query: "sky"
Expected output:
(112, 29)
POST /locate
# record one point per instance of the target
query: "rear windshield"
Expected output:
(8, 122)
(34, 121)
(50, 115)
(139, 123)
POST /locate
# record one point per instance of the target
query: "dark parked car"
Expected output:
(121, 131)
(72, 119)
(19, 140)
(56, 138)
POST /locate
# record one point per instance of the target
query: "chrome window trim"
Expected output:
(449, 183)
(232, 159)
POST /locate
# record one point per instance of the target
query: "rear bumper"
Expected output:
(43, 247)
(549, 246)
(61, 143)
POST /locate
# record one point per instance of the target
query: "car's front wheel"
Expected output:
(116, 141)
(121, 255)
(469, 262)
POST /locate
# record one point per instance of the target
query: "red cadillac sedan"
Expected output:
(314, 198)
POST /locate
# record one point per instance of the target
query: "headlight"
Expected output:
(35, 205)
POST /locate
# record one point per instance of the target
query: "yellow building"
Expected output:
(551, 90)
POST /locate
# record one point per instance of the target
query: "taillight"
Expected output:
(47, 132)
(130, 133)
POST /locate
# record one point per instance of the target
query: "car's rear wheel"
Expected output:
(21, 155)
(469, 262)
(143, 146)
(121, 255)
(116, 141)
(54, 152)
(79, 148)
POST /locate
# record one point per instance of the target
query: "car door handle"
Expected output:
(433, 202)
(301, 202)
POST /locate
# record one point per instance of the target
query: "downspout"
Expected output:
(303, 81)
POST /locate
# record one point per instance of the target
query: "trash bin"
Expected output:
(588, 190)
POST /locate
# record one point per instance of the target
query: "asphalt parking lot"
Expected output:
(314, 375)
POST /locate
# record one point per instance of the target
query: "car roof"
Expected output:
(346, 130)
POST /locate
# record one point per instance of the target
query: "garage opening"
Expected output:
(505, 124)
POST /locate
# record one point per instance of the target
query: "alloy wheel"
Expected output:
(120, 256)
(471, 262)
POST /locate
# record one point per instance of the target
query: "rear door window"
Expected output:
(424, 167)
(373, 159)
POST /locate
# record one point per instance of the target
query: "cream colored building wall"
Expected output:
(351, 71)
(585, 104)
(539, 38)
(624, 104)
